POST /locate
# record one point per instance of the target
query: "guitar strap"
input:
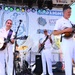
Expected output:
(9, 35)
(45, 39)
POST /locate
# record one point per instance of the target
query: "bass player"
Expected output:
(46, 54)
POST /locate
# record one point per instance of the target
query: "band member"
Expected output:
(64, 28)
(6, 49)
(46, 54)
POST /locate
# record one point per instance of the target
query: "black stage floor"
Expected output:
(56, 74)
(59, 73)
(53, 74)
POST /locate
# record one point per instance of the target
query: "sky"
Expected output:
(72, 18)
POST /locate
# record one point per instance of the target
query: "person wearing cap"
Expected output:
(63, 27)
(46, 54)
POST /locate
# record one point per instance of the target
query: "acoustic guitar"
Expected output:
(67, 34)
(70, 34)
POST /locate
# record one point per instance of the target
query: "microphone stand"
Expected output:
(14, 69)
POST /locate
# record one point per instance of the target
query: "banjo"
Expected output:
(3, 43)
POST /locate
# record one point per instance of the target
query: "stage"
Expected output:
(53, 74)
(56, 73)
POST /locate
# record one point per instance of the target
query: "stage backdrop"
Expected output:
(34, 21)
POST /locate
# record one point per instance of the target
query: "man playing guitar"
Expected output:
(63, 27)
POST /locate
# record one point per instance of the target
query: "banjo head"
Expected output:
(1, 42)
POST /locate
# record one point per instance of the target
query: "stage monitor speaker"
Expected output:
(38, 62)
(73, 69)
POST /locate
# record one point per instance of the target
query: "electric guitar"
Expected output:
(42, 45)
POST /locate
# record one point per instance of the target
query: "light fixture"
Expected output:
(44, 11)
(11, 8)
(39, 10)
(17, 9)
(33, 10)
(28, 9)
(23, 9)
(6, 8)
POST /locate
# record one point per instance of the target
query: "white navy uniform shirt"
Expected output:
(62, 23)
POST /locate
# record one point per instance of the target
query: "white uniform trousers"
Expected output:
(47, 58)
(10, 60)
(2, 63)
(68, 49)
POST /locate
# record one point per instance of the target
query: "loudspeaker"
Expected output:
(38, 63)
(49, 4)
(73, 69)
(59, 66)
(40, 4)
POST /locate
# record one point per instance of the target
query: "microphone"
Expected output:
(20, 20)
(25, 37)
(22, 37)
